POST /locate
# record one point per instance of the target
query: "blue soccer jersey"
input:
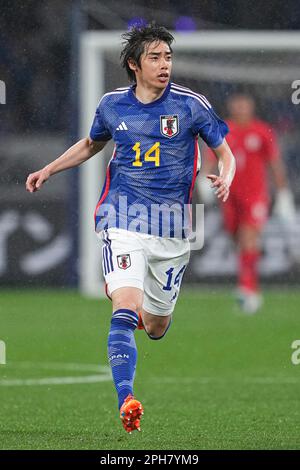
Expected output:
(151, 175)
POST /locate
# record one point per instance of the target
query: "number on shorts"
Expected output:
(177, 280)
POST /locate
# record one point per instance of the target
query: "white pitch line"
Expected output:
(88, 379)
(273, 380)
(103, 375)
(220, 380)
(57, 366)
(171, 380)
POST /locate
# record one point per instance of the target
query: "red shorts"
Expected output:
(239, 211)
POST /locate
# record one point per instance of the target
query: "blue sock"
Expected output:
(122, 352)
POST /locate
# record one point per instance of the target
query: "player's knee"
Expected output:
(130, 299)
(248, 238)
(126, 303)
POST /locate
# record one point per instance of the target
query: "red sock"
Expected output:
(248, 275)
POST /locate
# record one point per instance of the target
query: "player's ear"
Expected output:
(132, 65)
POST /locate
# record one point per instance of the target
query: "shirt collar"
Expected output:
(152, 103)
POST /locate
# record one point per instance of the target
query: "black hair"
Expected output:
(241, 93)
(240, 90)
(135, 40)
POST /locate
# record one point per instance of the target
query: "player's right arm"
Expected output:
(74, 156)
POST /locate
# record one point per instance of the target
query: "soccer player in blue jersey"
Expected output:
(140, 216)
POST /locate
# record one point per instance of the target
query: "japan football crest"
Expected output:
(124, 261)
(169, 125)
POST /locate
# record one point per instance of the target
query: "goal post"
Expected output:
(100, 73)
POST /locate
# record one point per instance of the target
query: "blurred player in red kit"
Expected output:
(254, 144)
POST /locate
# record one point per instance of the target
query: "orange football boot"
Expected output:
(130, 414)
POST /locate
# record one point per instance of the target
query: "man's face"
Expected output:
(241, 108)
(156, 65)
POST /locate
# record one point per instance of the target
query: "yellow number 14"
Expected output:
(152, 155)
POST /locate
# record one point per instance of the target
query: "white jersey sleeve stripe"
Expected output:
(191, 96)
(188, 90)
(113, 93)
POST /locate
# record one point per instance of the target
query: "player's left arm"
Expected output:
(284, 205)
(226, 165)
(278, 174)
(212, 129)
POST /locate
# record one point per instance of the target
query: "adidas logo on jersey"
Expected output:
(122, 127)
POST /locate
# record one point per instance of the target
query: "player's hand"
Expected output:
(36, 180)
(222, 186)
(284, 207)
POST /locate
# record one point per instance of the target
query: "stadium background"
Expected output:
(39, 239)
(39, 64)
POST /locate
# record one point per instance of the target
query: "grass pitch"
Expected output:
(218, 380)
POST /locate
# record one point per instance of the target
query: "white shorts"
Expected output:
(153, 264)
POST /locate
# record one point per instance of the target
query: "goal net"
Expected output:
(213, 63)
